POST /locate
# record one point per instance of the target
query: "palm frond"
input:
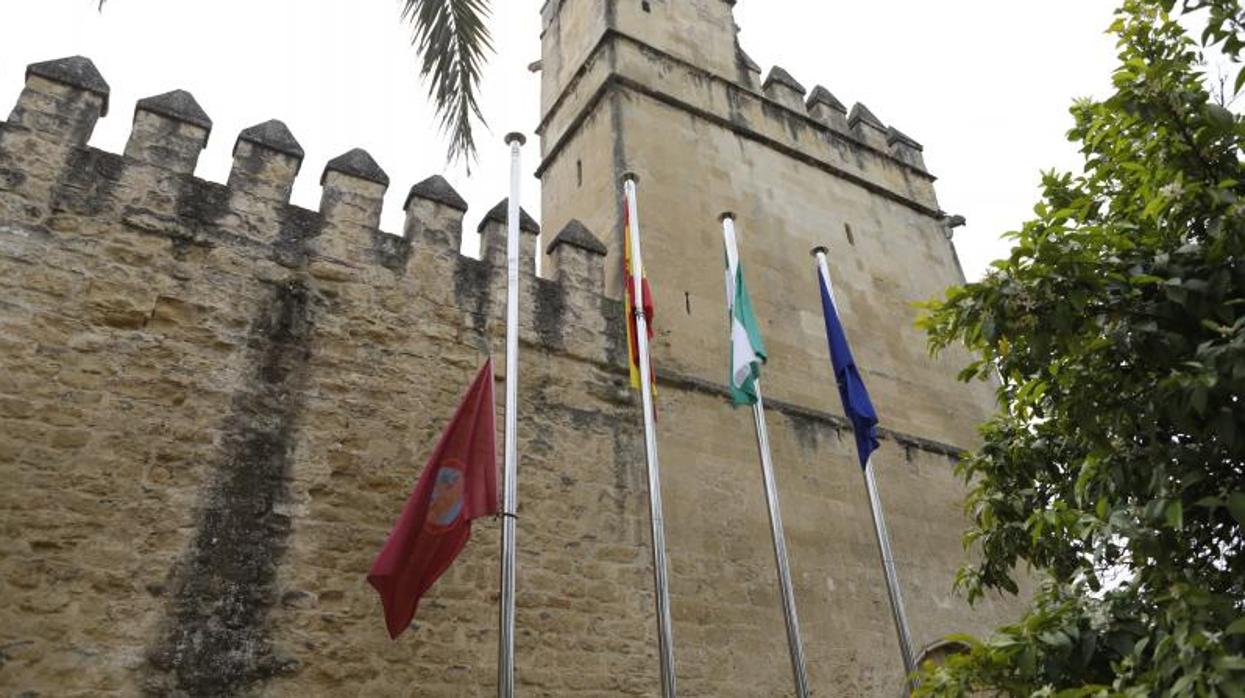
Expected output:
(452, 40)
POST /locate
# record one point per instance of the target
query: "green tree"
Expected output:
(452, 40)
(1115, 467)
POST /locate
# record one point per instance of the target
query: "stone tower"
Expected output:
(662, 88)
(213, 403)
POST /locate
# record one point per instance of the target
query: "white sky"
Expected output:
(985, 85)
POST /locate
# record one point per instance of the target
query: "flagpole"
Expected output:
(795, 644)
(884, 542)
(510, 492)
(660, 577)
(888, 565)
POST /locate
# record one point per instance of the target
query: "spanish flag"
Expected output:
(629, 281)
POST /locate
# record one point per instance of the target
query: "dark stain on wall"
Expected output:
(90, 178)
(806, 430)
(215, 639)
(615, 331)
(471, 289)
(550, 312)
(298, 226)
(202, 202)
(391, 251)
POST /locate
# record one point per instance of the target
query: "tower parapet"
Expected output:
(686, 55)
(784, 89)
(826, 108)
(867, 127)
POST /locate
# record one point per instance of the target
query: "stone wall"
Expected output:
(214, 403)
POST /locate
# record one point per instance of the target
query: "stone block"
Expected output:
(170, 130)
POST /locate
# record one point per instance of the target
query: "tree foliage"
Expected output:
(1115, 467)
(452, 40)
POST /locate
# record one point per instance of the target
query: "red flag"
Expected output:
(629, 300)
(459, 483)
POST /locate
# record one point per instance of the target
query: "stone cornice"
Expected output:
(611, 35)
(692, 383)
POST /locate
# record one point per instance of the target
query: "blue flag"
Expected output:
(856, 403)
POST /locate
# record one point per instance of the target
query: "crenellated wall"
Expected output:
(214, 403)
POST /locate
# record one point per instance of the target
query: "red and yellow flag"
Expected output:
(629, 280)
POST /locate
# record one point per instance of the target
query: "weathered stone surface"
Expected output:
(576, 235)
(779, 76)
(861, 113)
(356, 163)
(266, 159)
(499, 213)
(179, 105)
(784, 89)
(169, 131)
(437, 189)
(905, 147)
(213, 404)
(75, 71)
(827, 109)
(577, 256)
(868, 128)
(272, 134)
(822, 96)
(894, 135)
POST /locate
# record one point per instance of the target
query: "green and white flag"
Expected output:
(747, 349)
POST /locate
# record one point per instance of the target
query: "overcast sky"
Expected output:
(985, 85)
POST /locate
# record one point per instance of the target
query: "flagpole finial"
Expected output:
(820, 249)
(725, 215)
(516, 136)
(630, 176)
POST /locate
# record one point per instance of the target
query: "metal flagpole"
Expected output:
(664, 636)
(888, 566)
(882, 535)
(795, 644)
(510, 496)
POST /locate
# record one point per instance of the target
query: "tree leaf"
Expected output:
(452, 39)
(1236, 505)
(1174, 514)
